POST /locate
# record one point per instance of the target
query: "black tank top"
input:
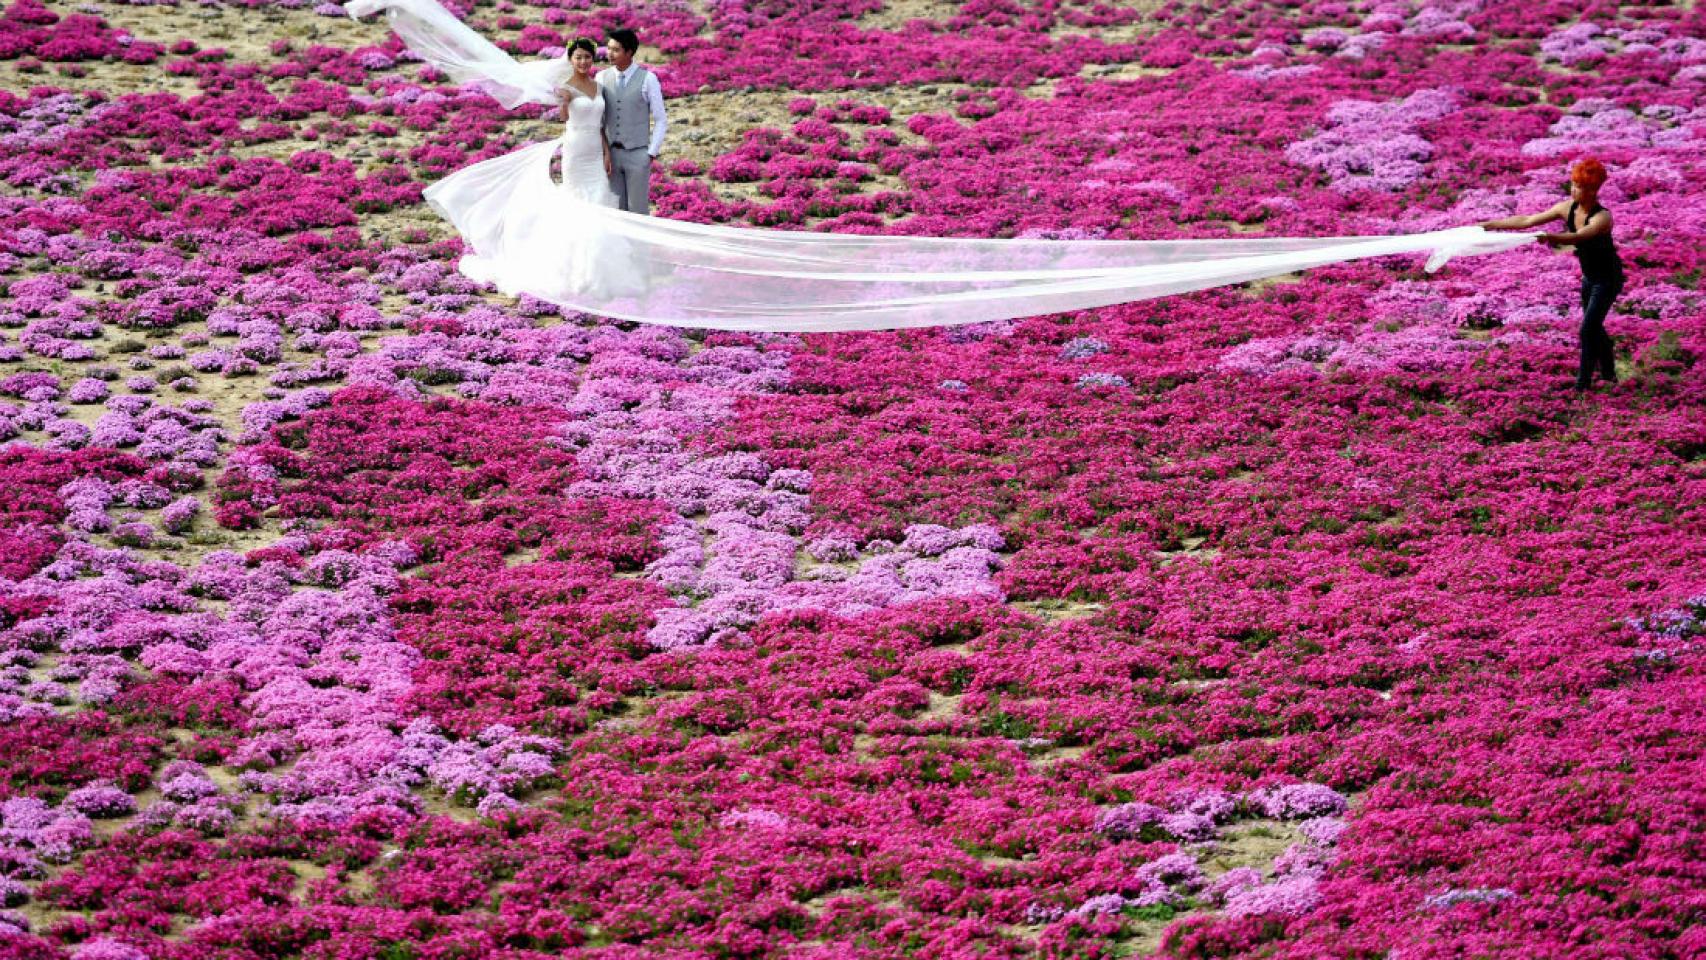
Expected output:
(1597, 255)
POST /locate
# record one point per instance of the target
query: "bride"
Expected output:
(513, 217)
(571, 245)
(586, 150)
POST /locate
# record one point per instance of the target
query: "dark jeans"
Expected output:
(1597, 294)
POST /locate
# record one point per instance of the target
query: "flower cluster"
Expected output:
(1374, 146)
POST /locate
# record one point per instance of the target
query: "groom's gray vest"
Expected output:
(627, 116)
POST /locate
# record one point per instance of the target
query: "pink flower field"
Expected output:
(350, 611)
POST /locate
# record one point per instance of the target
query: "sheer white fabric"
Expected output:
(524, 232)
(567, 244)
(447, 43)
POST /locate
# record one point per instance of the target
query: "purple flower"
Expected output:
(1128, 820)
(1082, 348)
(929, 539)
(1325, 40)
(25, 814)
(107, 948)
(1477, 895)
(528, 765)
(101, 801)
(209, 361)
(397, 553)
(1299, 800)
(833, 549)
(175, 659)
(1154, 893)
(188, 787)
(762, 819)
(1093, 380)
(133, 534)
(69, 434)
(1190, 827)
(496, 804)
(331, 568)
(98, 690)
(1232, 883)
(87, 390)
(1322, 831)
(33, 387)
(142, 494)
(262, 752)
(1291, 897)
(1099, 906)
(17, 862)
(179, 514)
(1174, 868)
(1374, 145)
(795, 481)
(207, 816)
(1217, 805)
(1038, 914)
(157, 816)
(1304, 860)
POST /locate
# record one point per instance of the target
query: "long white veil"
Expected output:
(522, 233)
(437, 37)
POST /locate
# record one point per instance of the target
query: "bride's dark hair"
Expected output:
(581, 43)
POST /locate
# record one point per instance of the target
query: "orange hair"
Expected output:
(1588, 173)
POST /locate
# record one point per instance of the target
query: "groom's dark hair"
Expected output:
(627, 38)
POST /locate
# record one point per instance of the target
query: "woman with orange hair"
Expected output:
(1587, 227)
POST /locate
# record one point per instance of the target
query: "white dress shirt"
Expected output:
(653, 92)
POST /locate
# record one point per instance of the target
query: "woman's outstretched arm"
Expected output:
(1523, 222)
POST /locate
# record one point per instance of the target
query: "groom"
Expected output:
(634, 121)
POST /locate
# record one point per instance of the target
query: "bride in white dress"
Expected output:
(571, 244)
(520, 227)
(586, 151)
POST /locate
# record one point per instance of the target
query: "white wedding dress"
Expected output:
(528, 234)
(570, 245)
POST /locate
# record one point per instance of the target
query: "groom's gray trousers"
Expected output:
(631, 178)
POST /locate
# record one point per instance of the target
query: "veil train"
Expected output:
(526, 236)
